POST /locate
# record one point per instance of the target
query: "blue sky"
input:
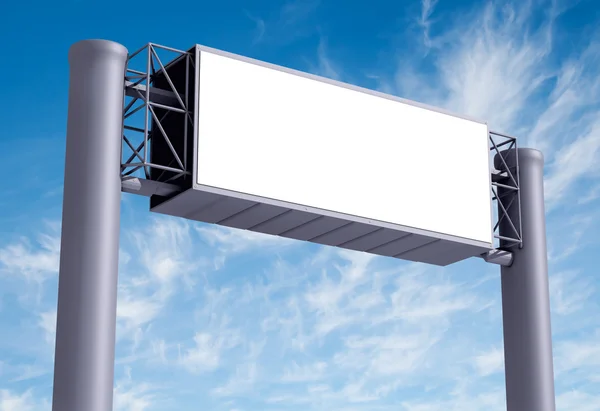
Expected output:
(217, 319)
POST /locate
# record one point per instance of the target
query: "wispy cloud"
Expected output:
(133, 396)
(304, 373)
(21, 372)
(569, 292)
(427, 9)
(569, 234)
(285, 25)
(326, 67)
(499, 65)
(592, 194)
(206, 355)
(578, 400)
(577, 355)
(34, 262)
(245, 375)
(489, 362)
(163, 256)
(295, 11)
(25, 401)
(259, 29)
(47, 322)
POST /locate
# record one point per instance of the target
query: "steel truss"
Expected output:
(507, 179)
(148, 105)
(506, 195)
(146, 108)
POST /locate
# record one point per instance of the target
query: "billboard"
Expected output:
(288, 153)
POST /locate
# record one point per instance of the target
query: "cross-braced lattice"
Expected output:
(147, 106)
(506, 191)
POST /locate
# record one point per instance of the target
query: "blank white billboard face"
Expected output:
(280, 135)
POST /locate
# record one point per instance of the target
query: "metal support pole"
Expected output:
(525, 295)
(87, 287)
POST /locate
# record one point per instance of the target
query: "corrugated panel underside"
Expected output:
(307, 226)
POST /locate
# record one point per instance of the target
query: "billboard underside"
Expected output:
(290, 154)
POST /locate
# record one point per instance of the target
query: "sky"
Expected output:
(218, 319)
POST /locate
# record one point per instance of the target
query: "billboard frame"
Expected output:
(166, 98)
(198, 49)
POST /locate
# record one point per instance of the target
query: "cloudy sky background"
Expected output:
(217, 319)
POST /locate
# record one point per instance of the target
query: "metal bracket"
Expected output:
(148, 188)
(499, 257)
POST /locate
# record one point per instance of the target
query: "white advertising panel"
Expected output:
(276, 134)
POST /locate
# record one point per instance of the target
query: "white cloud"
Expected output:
(243, 379)
(296, 11)
(207, 353)
(135, 312)
(34, 262)
(421, 297)
(129, 395)
(569, 292)
(573, 161)
(25, 372)
(497, 64)
(491, 401)
(393, 354)
(260, 28)
(427, 9)
(132, 399)
(568, 235)
(286, 24)
(334, 299)
(490, 362)
(47, 321)
(577, 355)
(11, 401)
(592, 194)
(304, 373)
(577, 400)
(164, 249)
(161, 262)
(246, 374)
(326, 67)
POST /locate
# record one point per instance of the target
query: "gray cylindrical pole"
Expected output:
(87, 286)
(525, 295)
